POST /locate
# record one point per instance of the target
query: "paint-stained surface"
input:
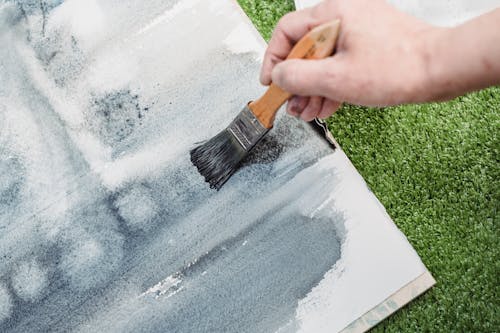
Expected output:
(105, 226)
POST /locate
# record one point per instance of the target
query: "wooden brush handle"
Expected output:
(316, 44)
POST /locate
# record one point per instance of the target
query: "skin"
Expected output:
(384, 57)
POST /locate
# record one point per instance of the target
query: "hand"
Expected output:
(380, 58)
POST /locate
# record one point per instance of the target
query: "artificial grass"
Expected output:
(435, 169)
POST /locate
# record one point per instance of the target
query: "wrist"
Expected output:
(433, 82)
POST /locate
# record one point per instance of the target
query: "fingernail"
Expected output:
(293, 105)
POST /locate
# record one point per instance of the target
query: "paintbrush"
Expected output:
(218, 158)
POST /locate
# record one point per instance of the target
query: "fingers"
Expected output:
(309, 108)
(325, 77)
(329, 107)
(312, 109)
(296, 105)
(289, 30)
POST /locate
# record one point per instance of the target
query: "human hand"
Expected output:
(381, 58)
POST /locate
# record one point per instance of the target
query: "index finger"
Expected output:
(290, 29)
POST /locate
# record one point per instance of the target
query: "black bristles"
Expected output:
(218, 158)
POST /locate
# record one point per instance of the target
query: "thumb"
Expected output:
(309, 77)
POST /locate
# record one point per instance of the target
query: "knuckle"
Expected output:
(334, 77)
(318, 12)
(324, 10)
(331, 83)
(283, 22)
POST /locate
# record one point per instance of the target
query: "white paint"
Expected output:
(65, 106)
(137, 207)
(93, 150)
(166, 288)
(139, 165)
(5, 303)
(89, 259)
(84, 18)
(112, 69)
(29, 281)
(178, 8)
(243, 40)
(31, 150)
(362, 273)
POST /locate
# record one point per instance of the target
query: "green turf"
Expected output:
(435, 169)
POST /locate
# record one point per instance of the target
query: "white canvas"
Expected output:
(105, 226)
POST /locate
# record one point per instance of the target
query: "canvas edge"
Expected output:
(396, 301)
(392, 304)
(250, 23)
(405, 294)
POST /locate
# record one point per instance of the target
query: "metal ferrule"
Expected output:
(247, 129)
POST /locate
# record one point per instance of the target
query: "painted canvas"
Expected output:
(105, 226)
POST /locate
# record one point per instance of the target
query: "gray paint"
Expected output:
(77, 254)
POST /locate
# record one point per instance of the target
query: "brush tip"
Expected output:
(218, 158)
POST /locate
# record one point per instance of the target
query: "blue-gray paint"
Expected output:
(73, 250)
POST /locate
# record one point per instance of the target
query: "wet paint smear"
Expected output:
(270, 268)
(273, 144)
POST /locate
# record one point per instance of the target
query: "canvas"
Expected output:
(105, 226)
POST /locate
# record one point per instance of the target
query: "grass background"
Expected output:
(435, 169)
